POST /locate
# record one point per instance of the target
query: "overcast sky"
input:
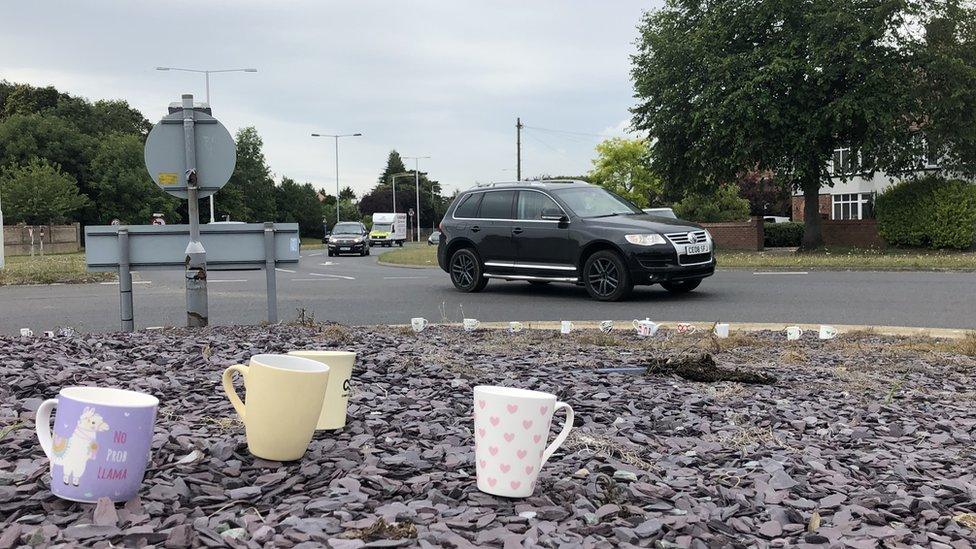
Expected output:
(444, 78)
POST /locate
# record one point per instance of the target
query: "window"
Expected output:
(844, 161)
(497, 205)
(531, 204)
(853, 206)
(595, 202)
(468, 206)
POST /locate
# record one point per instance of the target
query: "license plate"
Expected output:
(696, 249)
(344, 248)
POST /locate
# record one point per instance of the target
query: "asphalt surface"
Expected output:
(357, 290)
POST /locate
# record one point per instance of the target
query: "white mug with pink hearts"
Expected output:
(511, 431)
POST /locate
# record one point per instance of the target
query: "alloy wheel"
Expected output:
(463, 269)
(603, 276)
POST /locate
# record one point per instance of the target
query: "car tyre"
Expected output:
(681, 286)
(606, 277)
(331, 253)
(467, 272)
(400, 243)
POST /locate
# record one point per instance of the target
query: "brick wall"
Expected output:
(57, 239)
(825, 203)
(745, 235)
(860, 233)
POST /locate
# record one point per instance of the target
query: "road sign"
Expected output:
(165, 153)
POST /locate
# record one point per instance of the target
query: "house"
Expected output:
(853, 198)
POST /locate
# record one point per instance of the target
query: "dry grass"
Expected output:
(603, 445)
(793, 356)
(745, 436)
(598, 339)
(335, 333)
(49, 269)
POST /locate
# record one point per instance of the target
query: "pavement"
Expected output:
(359, 291)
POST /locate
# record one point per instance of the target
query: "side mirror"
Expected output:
(554, 214)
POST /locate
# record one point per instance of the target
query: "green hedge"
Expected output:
(930, 211)
(724, 204)
(781, 235)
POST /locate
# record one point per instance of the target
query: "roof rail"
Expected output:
(527, 182)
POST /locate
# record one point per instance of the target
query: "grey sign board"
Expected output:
(165, 154)
(229, 247)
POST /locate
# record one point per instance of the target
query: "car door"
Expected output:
(542, 245)
(492, 231)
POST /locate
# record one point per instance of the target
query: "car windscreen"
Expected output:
(347, 228)
(595, 202)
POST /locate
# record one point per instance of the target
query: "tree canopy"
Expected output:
(39, 193)
(726, 86)
(623, 166)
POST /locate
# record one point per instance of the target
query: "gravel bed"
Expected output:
(864, 441)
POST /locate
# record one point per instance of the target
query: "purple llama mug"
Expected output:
(100, 443)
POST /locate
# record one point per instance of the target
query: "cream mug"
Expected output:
(827, 332)
(282, 402)
(565, 327)
(511, 431)
(793, 332)
(721, 330)
(514, 327)
(340, 365)
(471, 324)
(418, 324)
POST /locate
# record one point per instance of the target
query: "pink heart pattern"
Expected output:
(515, 445)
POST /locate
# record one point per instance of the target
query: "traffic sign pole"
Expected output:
(197, 315)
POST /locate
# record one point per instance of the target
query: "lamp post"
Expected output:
(416, 171)
(207, 75)
(336, 137)
(393, 178)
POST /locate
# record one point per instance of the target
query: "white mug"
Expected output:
(793, 333)
(26, 332)
(565, 327)
(606, 326)
(645, 328)
(511, 430)
(471, 324)
(418, 324)
(722, 330)
(514, 327)
(827, 332)
(686, 328)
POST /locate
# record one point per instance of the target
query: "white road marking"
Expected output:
(279, 269)
(313, 255)
(781, 273)
(402, 277)
(116, 283)
(228, 280)
(310, 279)
(327, 263)
(333, 276)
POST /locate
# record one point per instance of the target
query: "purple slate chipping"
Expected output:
(842, 434)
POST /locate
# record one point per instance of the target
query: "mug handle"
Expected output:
(42, 426)
(801, 331)
(635, 323)
(228, 379)
(561, 437)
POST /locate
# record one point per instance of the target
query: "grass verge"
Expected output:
(63, 268)
(311, 243)
(417, 255)
(832, 259)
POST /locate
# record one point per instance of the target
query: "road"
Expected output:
(357, 290)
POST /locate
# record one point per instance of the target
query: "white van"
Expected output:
(388, 229)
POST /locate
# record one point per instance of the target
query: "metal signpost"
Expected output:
(236, 247)
(191, 155)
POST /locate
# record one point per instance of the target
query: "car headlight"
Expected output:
(645, 239)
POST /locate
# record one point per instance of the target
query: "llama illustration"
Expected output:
(73, 453)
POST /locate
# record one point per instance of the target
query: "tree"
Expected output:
(26, 136)
(726, 86)
(122, 187)
(347, 194)
(766, 194)
(347, 210)
(394, 165)
(39, 193)
(623, 166)
(250, 193)
(723, 204)
(299, 204)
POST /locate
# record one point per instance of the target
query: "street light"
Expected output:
(393, 178)
(207, 74)
(416, 171)
(336, 137)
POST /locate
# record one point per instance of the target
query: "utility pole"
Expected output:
(518, 148)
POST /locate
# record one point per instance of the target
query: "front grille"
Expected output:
(694, 258)
(682, 238)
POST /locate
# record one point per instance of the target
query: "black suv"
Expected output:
(568, 231)
(349, 237)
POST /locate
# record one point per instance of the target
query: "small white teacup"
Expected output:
(827, 332)
(606, 326)
(793, 332)
(514, 327)
(471, 324)
(565, 327)
(26, 332)
(418, 324)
